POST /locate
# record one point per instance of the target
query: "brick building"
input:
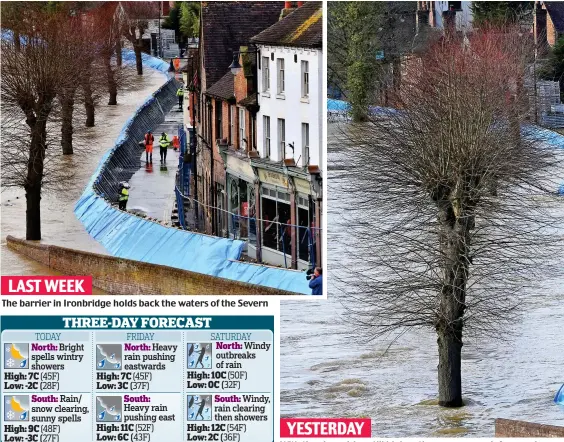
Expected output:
(548, 23)
(226, 29)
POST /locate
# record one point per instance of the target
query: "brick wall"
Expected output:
(551, 35)
(511, 428)
(128, 277)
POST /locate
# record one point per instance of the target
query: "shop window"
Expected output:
(276, 220)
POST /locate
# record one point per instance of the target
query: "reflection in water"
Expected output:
(59, 224)
(328, 369)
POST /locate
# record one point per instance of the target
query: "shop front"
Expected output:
(240, 220)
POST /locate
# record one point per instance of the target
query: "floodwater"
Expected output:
(58, 222)
(329, 369)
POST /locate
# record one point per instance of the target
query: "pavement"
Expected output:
(152, 186)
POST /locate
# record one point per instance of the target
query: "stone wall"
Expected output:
(511, 428)
(128, 277)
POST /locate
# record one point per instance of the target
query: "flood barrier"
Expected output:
(129, 236)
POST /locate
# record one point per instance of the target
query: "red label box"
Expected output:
(322, 427)
(46, 285)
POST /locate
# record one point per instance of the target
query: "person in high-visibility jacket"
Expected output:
(149, 140)
(164, 144)
(175, 143)
(123, 195)
(180, 95)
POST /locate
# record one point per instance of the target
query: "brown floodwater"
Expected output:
(59, 224)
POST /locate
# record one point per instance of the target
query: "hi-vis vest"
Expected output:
(180, 92)
(124, 196)
(164, 141)
(149, 139)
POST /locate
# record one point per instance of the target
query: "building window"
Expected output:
(305, 144)
(456, 6)
(280, 68)
(281, 138)
(305, 233)
(266, 129)
(276, 219)
(241, 128)
(218, 125)
(305, 79)
(265, 74)
(232, 133)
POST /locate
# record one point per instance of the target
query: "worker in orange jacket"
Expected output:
(149, 140)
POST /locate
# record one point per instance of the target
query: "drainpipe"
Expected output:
(258, 215)
(293, 242)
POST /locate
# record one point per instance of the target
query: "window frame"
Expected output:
(280, 68)
(265, 74)
(266, 133)
(305, 144)
(282, 138)
(305, 78)
(242, 134)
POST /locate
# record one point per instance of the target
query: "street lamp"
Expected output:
(235, 66)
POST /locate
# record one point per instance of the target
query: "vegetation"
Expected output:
(500, 13)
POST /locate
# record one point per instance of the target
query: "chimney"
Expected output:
(288, 7)
(449, 22)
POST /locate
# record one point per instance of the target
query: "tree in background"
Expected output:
(32, 77)
(190, 19)
(500, 13)
(554, 67)
(136, 16)
(353, 46)
(366, 43)
(450, 224)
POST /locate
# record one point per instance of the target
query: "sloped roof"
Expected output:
(301, 28)
(249, 101)
(228, 25)
(223, 88)
(556, 12)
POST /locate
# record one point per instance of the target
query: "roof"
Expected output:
(223, 88)
(301, 28)
(556, 12)
(249, 101)
(228, 25)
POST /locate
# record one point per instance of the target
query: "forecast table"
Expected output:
(125, 378)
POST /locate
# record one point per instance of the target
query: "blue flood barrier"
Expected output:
(128, 236)
(559, 398)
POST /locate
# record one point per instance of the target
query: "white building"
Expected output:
(436, 13)
(289, 135)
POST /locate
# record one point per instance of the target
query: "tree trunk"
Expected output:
(454, 242)
(34, 177)
(449, 370)
(17, 42)
(138, 60)
(88, 103)
(112, 85)
(119, 60)
(67, 104)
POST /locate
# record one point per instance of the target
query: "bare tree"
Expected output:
(32, 78)
(452, 209)
(136, 21)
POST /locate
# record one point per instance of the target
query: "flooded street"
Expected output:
(329, 369)
(58, 222)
